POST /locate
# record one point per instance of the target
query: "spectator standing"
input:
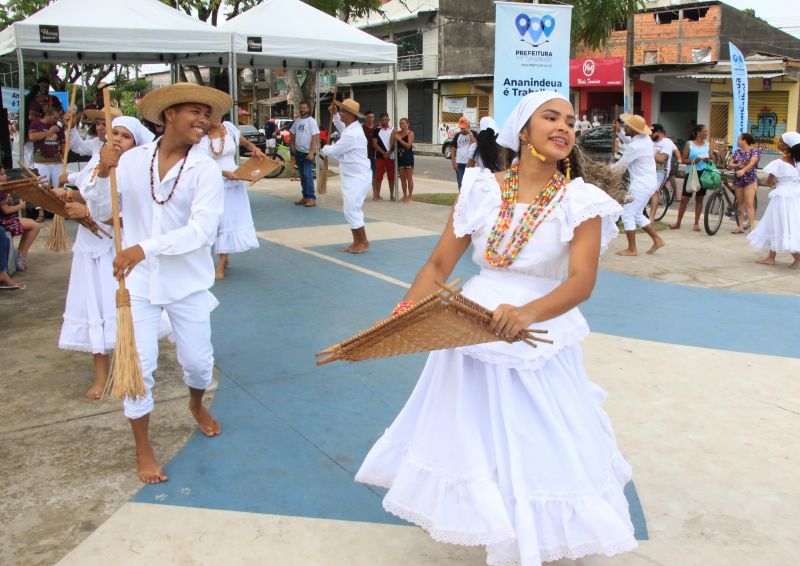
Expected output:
(404, 138)
(596, 123)
(304, 145)
(745, 181)
(369, 132)
(665, 152)
(270, 130)
(44, 100)
(695, 153)
(48, 146)
(485, 153)
(461, 143)
(583, 126)
(639, 160)
(383, 144)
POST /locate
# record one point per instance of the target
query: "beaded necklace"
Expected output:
(536, 213)
(152, 175)
(218, 152)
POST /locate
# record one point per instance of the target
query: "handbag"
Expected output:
(693, 182)
(711, 178)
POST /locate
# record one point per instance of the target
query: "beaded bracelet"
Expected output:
(87, 216)
(402, 307)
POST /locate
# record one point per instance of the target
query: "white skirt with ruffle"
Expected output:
(236, 231)
(779, 228)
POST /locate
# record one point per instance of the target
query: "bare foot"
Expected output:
(628, 253)
(377, 198)
(359, 248)
(656, 245)
(208, 425)
(696, 228)
(674, 226)
(219, 275)
(795, 265)
(766, 261)
(147, 467)
(347, 249)
(96, 392)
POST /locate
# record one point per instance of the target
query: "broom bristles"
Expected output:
(125, 378)
(58, 239)
(322, 186)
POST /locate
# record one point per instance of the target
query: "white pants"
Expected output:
(354, 191)
(50, 171)
(191, 328)
(27, 154)
(633, 212)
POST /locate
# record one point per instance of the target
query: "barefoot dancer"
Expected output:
(170, 194)
(236, 230)
(639, 160)
(779, 229)
(90, 312)
(351, 153)
(504, 445)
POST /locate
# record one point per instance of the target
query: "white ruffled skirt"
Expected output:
(779, 229)
(236, 231)
(90, 314)
(523, 462)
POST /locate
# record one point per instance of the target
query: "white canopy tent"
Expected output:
(290, 34)
(111, 31)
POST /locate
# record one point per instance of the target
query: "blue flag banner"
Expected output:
(739, 81)
(531, 52)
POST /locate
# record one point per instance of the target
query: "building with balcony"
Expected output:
(445, 64)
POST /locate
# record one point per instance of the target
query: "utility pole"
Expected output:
(628, 81)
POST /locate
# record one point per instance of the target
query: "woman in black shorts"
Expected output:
(405, 159)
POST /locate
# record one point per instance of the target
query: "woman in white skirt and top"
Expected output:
(90, 313)
(779, 229)
(500, 444)
(236, 230)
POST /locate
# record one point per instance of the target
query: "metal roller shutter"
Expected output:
(767, 116)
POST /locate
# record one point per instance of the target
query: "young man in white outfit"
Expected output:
(639, 160)
(665, 152)
(354, 167)
(170, 195)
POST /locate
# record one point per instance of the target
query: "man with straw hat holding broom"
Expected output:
(354, 168)
(171, 195)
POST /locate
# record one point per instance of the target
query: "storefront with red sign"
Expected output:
(596, 85)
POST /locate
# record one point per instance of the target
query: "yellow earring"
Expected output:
(535, 153)
(567, 169)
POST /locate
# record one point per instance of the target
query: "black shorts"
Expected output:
(702, 192)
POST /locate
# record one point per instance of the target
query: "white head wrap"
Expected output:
(488, 122)
(790, 138)
(509, 135)
(141, 135)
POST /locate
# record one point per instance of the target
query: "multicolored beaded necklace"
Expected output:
(152, 175)
(218, 152)
(536, 213)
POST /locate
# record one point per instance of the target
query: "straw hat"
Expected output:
(152, 106)
(95, 114)
(351, 106)
(635, 123)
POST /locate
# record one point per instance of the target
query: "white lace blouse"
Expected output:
(540, 266)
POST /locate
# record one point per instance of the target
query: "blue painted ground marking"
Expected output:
(273, 213)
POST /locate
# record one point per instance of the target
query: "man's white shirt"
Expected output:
(665, 145)
(350, 150)
(304, 129)
(639, 159)
(177, 236)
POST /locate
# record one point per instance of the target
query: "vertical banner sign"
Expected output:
(531, 52)
(739, 80)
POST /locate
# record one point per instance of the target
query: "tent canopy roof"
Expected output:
(292, 34)
(118, 31)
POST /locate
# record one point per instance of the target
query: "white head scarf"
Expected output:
(488, 122)
(141, 135)
(509, 135)
(790, 138)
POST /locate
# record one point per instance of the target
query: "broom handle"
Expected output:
(330, 118)
(69, 129)
(113, 177)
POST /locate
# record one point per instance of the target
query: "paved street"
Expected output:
(706, 416)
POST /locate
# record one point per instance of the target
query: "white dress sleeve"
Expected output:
(478, 199)
(233, 131)
(584, 201)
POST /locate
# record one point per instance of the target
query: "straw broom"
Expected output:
(322, 186)
(58, 239)
(125, 378)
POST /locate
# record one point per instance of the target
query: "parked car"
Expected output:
(598, 143)
(253, 135)
(447, 148)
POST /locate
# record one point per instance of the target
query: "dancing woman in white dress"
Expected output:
(236, 230)
(779, 229)
(504, 445)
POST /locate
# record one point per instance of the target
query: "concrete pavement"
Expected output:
(695, 346)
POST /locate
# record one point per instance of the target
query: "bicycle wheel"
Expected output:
(663, 203)
(714, 212)
(278, 171)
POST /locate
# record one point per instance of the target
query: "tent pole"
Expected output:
(317, 117)
(83, 90)
(23, 112)
(396, 123)
(233, 83)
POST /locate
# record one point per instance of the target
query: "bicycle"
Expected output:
(721, 202)
(281, 155)
(665, 198)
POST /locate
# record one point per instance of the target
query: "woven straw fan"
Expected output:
(36, 191)
(445, 319)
